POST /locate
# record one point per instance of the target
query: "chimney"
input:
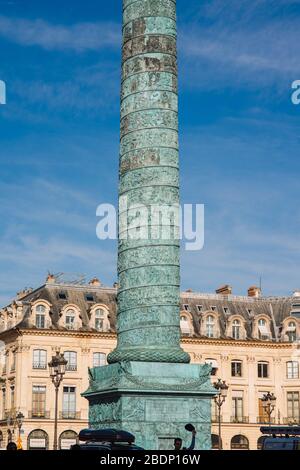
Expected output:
(24, 292)
(254, 291)
(224, 290)
(189, 290)
(95, 282)
(50, 279)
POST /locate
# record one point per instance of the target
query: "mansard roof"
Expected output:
(277, 309)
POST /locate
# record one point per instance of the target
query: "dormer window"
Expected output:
(210, 326)
(89, 298)
(291, 331)
(263, 330)
(186, 307)
(62, 295)
(213, 308)
(40, 316)
(296, 310)
(200, 308)
(226, 310)
(185, 325)
(99, 318)
(70, 319)
(236, 329)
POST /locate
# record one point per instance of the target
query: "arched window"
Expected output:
(99, 319)
(260, 442)
(210, 326)
(215, 441)
(70, 319)
(239, 442)
(291, 332)
(38, 440)
(263, 329)
(67, 439)
(185, 325)
(40, 316)
(236, 329)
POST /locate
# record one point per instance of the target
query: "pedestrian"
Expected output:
(178, 442)
(11, 446)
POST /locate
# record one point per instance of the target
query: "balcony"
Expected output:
(239, 419)
(70, 414)
(38, 414)
(292, 421)
(215, 419)
(39, 365)
(265, 420)
(71, 367)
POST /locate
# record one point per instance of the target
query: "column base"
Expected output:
(152, 400)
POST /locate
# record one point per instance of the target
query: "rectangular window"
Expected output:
(71, 357)
(236, 369)
(263, 370)
(40, 320)
(263, 417)
(226, 310)
(69, 403)
(292, 370)
(3, 402)
(213, 308)
(39, 359)
(99, 359)
(199, 308)
(293, 406)
(38, 401)
(186, 307)
(237, 407)
(12, 397)
(13, 365)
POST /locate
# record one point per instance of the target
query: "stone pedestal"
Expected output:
(154, 401)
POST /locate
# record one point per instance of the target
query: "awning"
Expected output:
(185, 326)
(291, 328)
(264, 330)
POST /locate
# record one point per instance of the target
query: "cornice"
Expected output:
(72, 334)
(237, 343)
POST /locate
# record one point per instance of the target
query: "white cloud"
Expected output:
(78, 37)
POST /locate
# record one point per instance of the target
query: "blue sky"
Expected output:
(239, 139)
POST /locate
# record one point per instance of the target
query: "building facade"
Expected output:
(251, 342)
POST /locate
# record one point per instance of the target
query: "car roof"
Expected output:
(106, 435)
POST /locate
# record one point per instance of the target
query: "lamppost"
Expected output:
(220, 398)
(269, 400)
(57, 368)
(19, 419)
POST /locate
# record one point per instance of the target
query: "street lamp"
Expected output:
(220, 398)
(19, 419)
(269, 401)
(57, 368)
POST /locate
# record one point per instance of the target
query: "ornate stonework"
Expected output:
(148, 297)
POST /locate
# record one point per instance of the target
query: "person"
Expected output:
(11, 446)
(178, 442)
